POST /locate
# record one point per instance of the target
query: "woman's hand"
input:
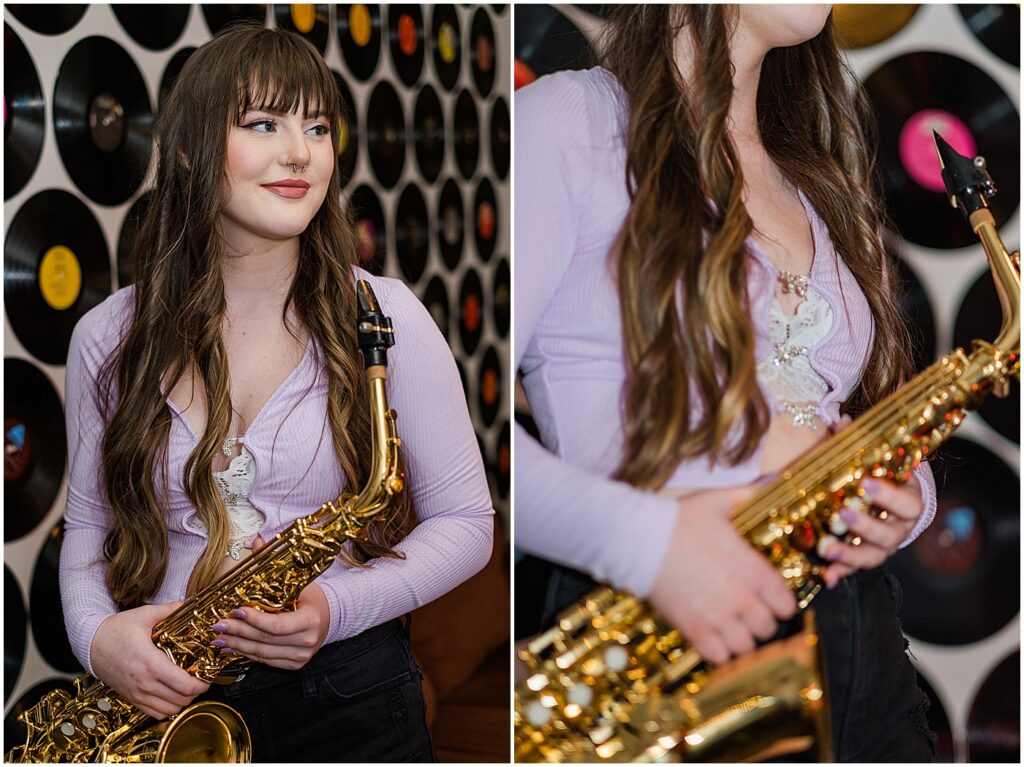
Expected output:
(880, 537)
(719, 592)
(124, 657)
(282, 640)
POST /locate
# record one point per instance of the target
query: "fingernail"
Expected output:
(226, 651)
(218, 643)
(834, 554)
(830, 584)
(871, 485)
(238, 613)
(219, 627)
(849, 516)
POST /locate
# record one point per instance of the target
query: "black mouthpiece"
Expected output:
(375, 332)
(968, 184)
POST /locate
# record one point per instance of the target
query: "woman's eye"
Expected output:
(321, 130)
(254, 125)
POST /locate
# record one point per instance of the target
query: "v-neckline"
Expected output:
(809, 218)
(259, 413)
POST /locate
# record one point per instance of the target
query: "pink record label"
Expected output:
(917, 147)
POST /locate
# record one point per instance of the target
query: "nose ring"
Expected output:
(296, 169)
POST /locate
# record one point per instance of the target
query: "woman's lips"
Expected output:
(292, 192)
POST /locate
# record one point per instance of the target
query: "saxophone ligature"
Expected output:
(98, 725)
(612, 681)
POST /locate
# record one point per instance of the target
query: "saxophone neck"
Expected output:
(1006, 275)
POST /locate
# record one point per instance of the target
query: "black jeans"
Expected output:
(357, 700)
(878, 712)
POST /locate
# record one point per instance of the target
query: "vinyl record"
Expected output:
(359, 36)
(152, 25)
(412, 233)
(24, 114)
(912, 96)
(546, 42)
(309, 20)
(385, 134)
(219, 16)
(488, 389)
(370, 229)
(44, 606)
(961, 577)
(126, 240)
(483, 57)
(56, 268)
(462, 378)
(499, 8)
(860, 26)
(471, 311)
(997, 26)
(406, 39)
(444, 27)
(501, 138)
(502, 295)
(103, 120)
(993, 725)
(14, 731)
(917, 309)
(348, 132)
(35, 447)
(485, 220)
(466, 135)
(171, 72)
(46, 18)
(451, 228)
(428, 133)
(15, 633)
(938, 722)
(503, 460)
(435, 298)
(979, 317)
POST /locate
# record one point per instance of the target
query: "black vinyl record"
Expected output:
(917, 309)
(938, 722)
(997, 26)
(385, 134)
(489, 386)
(348, 132)
(501, 138)
(24, 115)
(406, 39)
(370, 229)
(46, 18)
(980, 317)
(471, 311)
(917, 93)
(444, 27)
(56, 268)
(309, 20)
(482, 52)
(171, 72)
(15, 732)
(152, 25)
(48, 627)
(103, 120)
(462, 379)
(993, 725)
(412, 233)
(359, 34)
(503, 460)
(428, 133)
(502, 297)
(546, 42)
(961, 577)
(219, 16)
(451, 227)
(126, 240)
(15, 632)
(466, 135)
(485, 220)
(35, 447)
(435, 298)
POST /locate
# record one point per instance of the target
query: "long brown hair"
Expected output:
(179, 307)
(691, 385)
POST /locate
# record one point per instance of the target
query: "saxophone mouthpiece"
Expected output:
(968, 184)
(375, 331)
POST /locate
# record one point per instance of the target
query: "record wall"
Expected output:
(955, 69)
(424, 155)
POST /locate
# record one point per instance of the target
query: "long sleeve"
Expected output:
(445, 475)
(564, 513)
(929, 498)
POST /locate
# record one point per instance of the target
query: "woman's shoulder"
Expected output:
(101, 329)
(586, 106)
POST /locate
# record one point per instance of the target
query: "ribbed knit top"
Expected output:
(570, 203)
(296, 471)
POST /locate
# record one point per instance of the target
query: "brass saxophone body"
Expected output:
(98, 725)
(612, 681)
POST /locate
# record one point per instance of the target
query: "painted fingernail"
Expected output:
(219, 627)
(238, 613)
(218, 643)
(834, 554)
(849, 516)
(871, 485)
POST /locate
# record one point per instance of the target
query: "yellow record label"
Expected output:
(447, 45)
(360, 25)
(60, 277)
(303, 16)
(342, 135)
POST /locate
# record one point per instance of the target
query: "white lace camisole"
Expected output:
(233, 484)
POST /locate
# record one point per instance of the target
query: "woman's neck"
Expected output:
(259, 280)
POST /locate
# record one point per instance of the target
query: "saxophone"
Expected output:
(612, 681)
(98, 725)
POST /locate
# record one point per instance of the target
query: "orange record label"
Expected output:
(471, 313)
(489, 387)
(485, 220)
(343, 135)
(484, 54)
(447, 45)
(60, 277)
(407, 34)
(303, 16)
(360, 25)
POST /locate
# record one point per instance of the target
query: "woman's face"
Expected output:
(264, 150)
(780, 26)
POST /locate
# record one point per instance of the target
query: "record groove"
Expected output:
(385, 134)
(24, 115)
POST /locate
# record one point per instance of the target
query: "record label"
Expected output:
(447, 43)
(361, 25)
(60, 278)
(450, 224)
(407, 39)
(447, 52)
(470, 311)
(435, 298)
(917, 145)
(303, 17)
(17, 449)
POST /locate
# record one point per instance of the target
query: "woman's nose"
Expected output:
(298, 149)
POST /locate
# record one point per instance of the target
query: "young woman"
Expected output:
(222, 396)
(701, 296)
